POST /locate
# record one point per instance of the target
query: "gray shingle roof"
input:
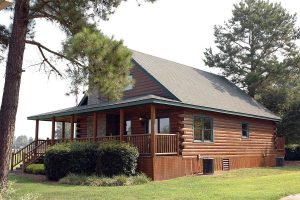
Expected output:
(200, 88)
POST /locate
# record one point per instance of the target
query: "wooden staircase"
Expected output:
(29, 154)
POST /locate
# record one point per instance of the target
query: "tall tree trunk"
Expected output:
(10, 96)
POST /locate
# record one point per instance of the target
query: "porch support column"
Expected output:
(53, 131)
(63, 131)
(122, 127)
(94, 126)
(36, 132)
(153, 139)
(72, 128)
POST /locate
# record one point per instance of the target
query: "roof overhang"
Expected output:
(151, 99)
(5, 3)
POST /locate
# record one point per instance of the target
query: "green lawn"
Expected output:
(257, 183)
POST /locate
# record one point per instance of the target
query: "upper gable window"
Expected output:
(130, 86)
(245, 130)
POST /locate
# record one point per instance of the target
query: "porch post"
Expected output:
(94, 126)
(122, 125)
(153, 139)
(63, 131)
(53, 131)
(72, 128)
(36, 132)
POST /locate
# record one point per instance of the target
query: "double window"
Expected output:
(203, 129)
(162, 125)
(245, 130)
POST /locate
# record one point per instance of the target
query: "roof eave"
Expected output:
(149, 101)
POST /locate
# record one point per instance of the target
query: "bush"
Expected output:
(57, 161)
(65, 158)
(116, 159)
(83, 158)
(292, 152)
(35, 169)
(120, 180)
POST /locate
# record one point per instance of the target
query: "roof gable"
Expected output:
(196, 87)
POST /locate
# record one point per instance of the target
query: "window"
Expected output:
(130, 86)
(245, 130)
(128, 127)
(203, 129)
(162, 125)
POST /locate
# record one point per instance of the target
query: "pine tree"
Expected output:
(257, 46)
(74, 18)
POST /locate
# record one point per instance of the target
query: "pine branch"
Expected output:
(47, 61)
(39, 45)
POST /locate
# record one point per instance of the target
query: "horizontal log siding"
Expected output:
(144, 85)
(227, 136)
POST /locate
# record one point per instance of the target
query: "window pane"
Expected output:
(130, 86)
(198, 134)
(207, 124)
(164, 125)
(208, 135)
(197, 123)
(128, 127)
(245, 130)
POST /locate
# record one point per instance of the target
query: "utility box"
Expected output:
(208, 166)
(279, 161)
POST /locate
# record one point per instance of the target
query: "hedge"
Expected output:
(62, 159)
(116, 159)
(292, 152)
(57, 161)
(85, 158)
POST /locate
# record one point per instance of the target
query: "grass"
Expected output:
(35, 169)
(256, 183)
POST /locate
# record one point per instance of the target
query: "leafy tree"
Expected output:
(30, 139)
(21, 141)
(257, 46)
(73, 17)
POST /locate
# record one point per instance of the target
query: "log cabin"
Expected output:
(177, 116)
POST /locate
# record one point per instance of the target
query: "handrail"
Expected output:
(34, 154)
(16, 157)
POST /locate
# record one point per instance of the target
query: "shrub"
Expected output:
(292, 152)
(57, 161)
(65, 158)
(120, 180)
(35, 169)
(83, 158)
(116, 159)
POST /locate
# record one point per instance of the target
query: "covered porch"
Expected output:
(152, 128)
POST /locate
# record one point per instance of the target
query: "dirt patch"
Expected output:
(291, 197)
(292, 163)
(39, 178)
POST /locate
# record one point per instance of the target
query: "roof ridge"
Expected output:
(178, 63)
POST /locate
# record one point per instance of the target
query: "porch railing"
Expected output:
(166, 144)
(141, 141)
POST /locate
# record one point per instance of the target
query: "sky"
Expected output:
(177, 30)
